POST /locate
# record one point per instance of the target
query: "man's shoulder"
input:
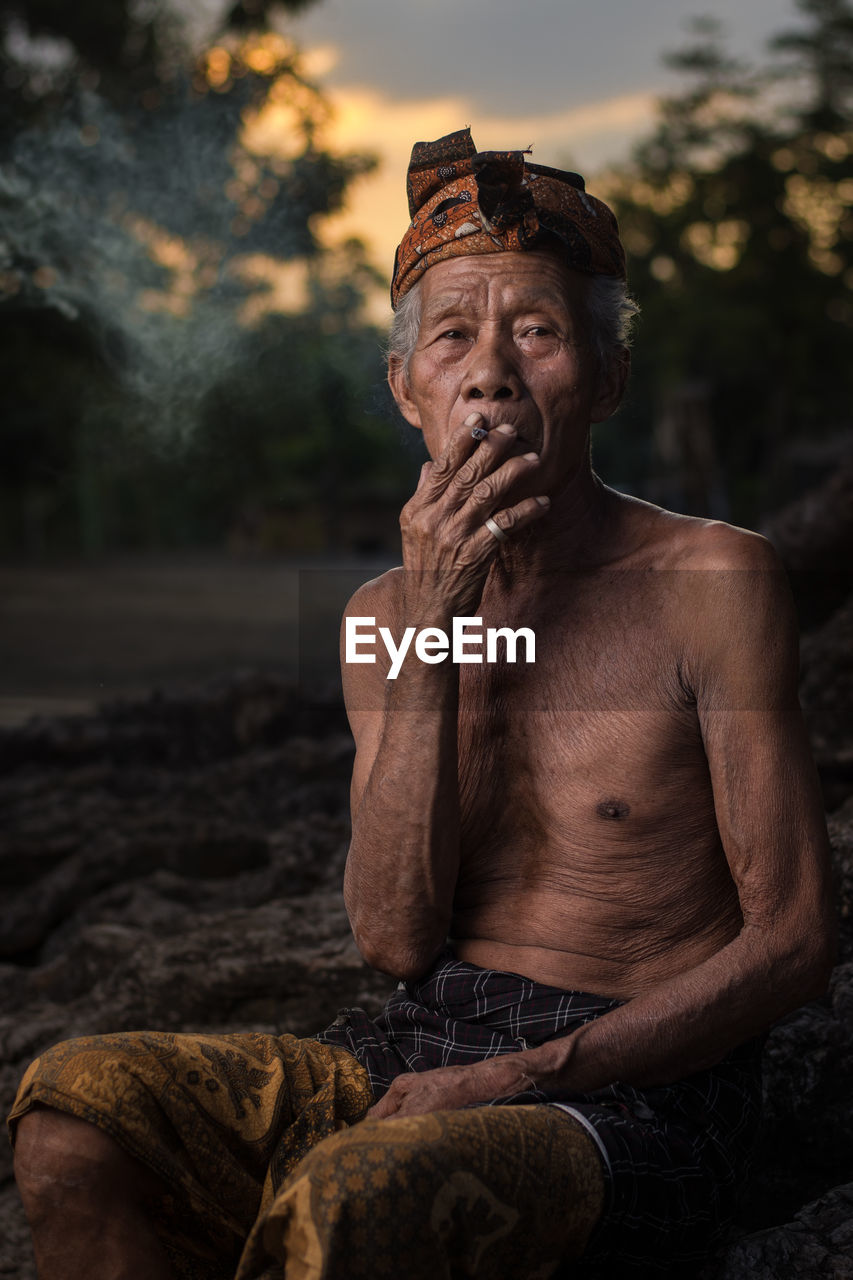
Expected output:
(377, 598)
(715, 545)
(732, 606)
(675, 541)
(725, 587)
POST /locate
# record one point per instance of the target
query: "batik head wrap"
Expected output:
(463, 201)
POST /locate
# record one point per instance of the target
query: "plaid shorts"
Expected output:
(675, 1157)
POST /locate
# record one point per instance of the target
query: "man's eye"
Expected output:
(452, 334)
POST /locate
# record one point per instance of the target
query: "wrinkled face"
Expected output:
(506, 335)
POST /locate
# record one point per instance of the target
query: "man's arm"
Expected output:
(404, 857)
(741, 663)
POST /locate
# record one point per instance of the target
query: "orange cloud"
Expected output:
(365, 119)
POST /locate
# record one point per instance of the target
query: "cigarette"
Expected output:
(479, 430)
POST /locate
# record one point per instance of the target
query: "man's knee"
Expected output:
(387, 1169)
(489, 1191)
(350, 1201)
(365, 1162)
(59, 1156)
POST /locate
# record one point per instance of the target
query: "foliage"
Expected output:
(160, 272)
(737, 217)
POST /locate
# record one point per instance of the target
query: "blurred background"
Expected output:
(199, 206)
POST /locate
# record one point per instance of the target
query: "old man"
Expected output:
(599, 876)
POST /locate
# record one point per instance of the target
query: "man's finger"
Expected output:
(489, 459)
(459, 448)
(386, 1106)
(512, 519)
(489, 493)
(466, 460)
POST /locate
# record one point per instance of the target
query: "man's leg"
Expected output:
(87, 1202)
(490, 1192)
(181, 1139)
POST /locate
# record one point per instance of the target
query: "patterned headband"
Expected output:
(462, 201)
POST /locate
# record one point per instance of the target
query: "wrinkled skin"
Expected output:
(637, 815)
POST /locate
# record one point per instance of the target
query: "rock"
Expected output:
(814, 536)
(280, 809)
(818, 1242)
(176, 730)
(840, 825)
(826, 692)
(285, 966)
(807, 1135)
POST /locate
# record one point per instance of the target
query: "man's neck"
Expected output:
(579, 532)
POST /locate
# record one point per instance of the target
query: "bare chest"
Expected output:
(598, 740)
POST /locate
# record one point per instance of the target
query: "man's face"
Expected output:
(506, 335)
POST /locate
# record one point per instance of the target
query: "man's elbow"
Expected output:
(398, 958)
(402, 941)
(403, 948)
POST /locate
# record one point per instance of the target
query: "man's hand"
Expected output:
(451, 1088)
(443, 523)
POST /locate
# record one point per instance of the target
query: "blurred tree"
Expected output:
(737, 217)
(159, 204)
(297, 427)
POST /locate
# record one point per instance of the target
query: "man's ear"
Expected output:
(612, 380)
(399, 384)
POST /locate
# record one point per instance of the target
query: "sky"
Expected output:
(576, 79)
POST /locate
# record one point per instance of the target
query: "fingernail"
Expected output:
(531, 457)
(543, 500)
(472, 418)
(505, 429)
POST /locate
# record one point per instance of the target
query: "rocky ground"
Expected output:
(175, 862)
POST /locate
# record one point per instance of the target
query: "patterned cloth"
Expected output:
(675, 1157)
(222, 1120)
(262, 1145)
(256, 1141)
(462, 201)
(499, 1193)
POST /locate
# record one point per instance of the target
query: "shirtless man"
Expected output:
(635, 815)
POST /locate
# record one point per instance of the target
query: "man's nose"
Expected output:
(491, 373)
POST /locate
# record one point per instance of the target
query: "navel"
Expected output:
(616, 809)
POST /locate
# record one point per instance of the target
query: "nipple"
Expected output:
(616, 809)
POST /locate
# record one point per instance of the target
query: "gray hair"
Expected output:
(610, 310)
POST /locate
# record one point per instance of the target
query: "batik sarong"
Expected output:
(221, 1120)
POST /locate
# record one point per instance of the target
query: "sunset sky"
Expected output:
(575, 79)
